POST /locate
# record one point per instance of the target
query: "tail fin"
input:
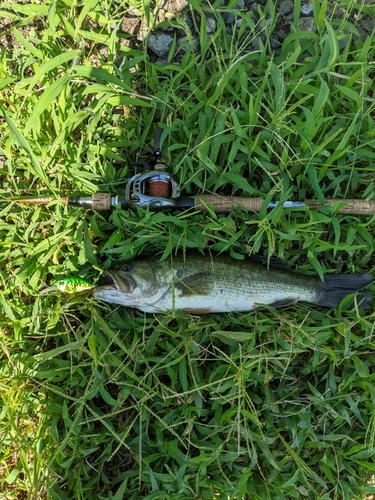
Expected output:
(336, 287)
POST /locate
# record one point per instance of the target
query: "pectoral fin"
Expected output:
(202, 310)
(195, 284)
(285, 302)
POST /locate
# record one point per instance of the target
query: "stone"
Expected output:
(255, 43)
(133, 12)
(342, 43)
(130, 25)
(160, 44)
(185, 44)
(307, 9)
(173, 6)
(104, 52)
(281, 34)
(238, 23)
(143, 30)
(367, 25)
(161, 61)
(228, 16)
(185, 18)
(306, 24)
(210, 25)
(286, 7)
(362, 34)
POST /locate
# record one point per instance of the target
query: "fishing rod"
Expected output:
(157, 189)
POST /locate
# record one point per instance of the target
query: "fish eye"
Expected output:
(62, 283)
(127, 268)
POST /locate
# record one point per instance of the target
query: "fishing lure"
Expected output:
(68, 285)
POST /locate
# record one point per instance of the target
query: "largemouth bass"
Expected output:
(200, 285)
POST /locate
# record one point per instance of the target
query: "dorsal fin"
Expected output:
(273, 262)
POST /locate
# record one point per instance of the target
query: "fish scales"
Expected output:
(238, 286)
(200, 284)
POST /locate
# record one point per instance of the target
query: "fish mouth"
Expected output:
(120, 284)
(108, 280)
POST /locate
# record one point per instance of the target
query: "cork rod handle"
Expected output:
(225, 204)
(355, 207)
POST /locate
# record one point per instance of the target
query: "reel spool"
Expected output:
(159, 188)
(154, 189)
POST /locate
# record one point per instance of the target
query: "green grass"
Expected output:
(101, 402)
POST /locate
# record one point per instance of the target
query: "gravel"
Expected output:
(160, 41)
(174, 17)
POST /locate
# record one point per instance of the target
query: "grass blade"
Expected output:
(22, 142)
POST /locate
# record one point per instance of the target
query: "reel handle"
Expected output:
(157, 136)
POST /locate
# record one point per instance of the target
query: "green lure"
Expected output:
(68, 285)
